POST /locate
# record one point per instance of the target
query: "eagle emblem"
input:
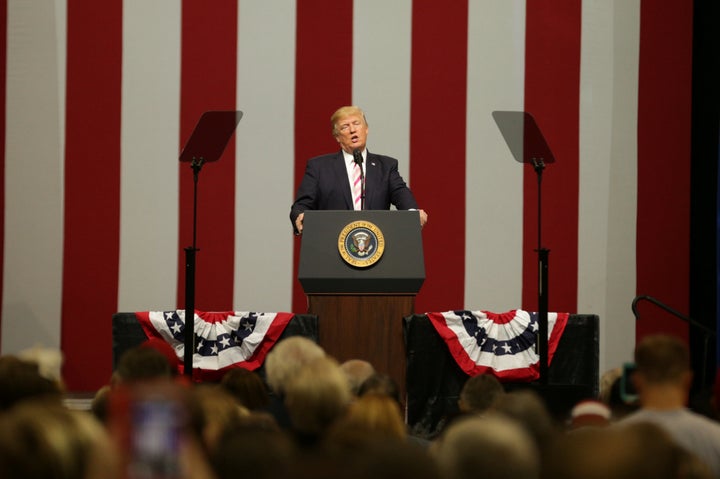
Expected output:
(361, 243)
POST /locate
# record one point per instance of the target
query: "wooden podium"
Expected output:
(361, 271)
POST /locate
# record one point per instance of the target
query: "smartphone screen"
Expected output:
(149, 423)
(627, 389)
(155, 438)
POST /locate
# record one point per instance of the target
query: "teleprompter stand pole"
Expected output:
(207, 143)
(190, 251)
(543, 268)
(527, 145)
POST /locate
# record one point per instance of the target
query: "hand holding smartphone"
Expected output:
(628, 393)
(150, 422)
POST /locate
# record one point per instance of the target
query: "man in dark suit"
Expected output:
(331, 182)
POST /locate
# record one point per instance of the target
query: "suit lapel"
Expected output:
(371, 179)
(341, 178)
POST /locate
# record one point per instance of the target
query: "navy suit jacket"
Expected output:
(325, 185)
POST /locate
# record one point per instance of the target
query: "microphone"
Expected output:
(358, 159)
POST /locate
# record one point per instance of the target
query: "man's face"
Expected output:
(351, 133)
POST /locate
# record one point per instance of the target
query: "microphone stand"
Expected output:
(362, 186)
(357, 157)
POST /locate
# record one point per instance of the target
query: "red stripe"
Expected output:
(552, 96)
(664, 119)
(3, 70)
(437, 145)
(92, 190)
(323, 83)
(208, 82)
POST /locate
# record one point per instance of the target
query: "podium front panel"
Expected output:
(400, 269)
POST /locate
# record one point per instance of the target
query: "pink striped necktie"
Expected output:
(357, 187)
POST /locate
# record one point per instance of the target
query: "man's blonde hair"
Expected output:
(343, 112)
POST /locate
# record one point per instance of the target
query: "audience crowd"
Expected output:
(307, 416)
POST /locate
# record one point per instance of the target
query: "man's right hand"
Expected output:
(299, 223)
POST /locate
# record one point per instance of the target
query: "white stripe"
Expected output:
(149, 155)
(265, 155)
(381, 75)
(32, 273)
(608, 172)
(494, 201)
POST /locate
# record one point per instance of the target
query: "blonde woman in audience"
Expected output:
(42, 439)
(21, 380)
(212, 410)
(369, 418)
(357, 372)
(315, 398)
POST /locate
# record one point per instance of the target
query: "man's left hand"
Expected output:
(423, 218)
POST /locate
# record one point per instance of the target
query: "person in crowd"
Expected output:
(607, 379)
(640, 450)
(41, 439)
(316, 397)
(479, 393)
(388, 458)
(166, 428)
(281, 365)
(211, 410)
(527, 408)
(247, 388)
(334, 181)
(287, 358)
(146, 362)
(382, 384)
(357, 371)
(662, 379)
(20, 380)
(99, 403)
(167, 350)
(259, 451)
(619, 405)
(142, 363)
(369, 418)
(589, 413)
(491, 446)
(49, 362)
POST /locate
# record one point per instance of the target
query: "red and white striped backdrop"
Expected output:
(100, 96)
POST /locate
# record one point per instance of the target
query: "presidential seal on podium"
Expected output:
(361, 244)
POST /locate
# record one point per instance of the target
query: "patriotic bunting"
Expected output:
(499, 344)
(222, 339)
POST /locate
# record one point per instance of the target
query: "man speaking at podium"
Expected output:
(352, 178)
